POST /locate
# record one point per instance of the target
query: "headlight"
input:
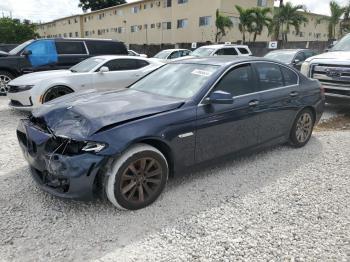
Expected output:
(93, 147)
(305, 67)
(25, 87)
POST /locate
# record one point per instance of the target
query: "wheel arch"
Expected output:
(46, 90)
(11, 71)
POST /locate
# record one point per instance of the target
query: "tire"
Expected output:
(302, 128)
(56, 92)
(5, 77)
(132, 190)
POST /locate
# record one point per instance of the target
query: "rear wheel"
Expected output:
(55, 92)
(302, 128)
(5, 78)
(138, 178)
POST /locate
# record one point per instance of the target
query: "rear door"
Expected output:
(224, 129)
(279, 99)
(122, 73)
(70, 53)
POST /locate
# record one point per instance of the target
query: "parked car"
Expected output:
(126, 143)
(99, 73)
(292, 57)
(332, 69)
(133, 53)
(51, 54)
(218, 50)
(170, 54)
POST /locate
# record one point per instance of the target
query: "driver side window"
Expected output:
(124, 64)
(239, 81)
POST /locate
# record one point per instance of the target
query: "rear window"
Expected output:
(70, 48)
(227, 51)
(106, 48)
(243, 50)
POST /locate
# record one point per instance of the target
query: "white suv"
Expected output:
(216, 50)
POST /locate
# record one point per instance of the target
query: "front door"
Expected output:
(224, 129)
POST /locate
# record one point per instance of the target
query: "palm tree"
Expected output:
(245, 21)
(221, 23)
(336, 13)
(284, 18)
(259, 19)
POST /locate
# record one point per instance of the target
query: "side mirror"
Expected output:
(27, 52)
(104, 69)
(219, 97)
(296, 61)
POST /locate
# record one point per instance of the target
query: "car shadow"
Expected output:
(42, 218)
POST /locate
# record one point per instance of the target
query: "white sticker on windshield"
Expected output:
(201, 72)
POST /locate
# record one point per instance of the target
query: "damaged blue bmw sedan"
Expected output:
(126, 143)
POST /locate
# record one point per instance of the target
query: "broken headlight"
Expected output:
(93, 147)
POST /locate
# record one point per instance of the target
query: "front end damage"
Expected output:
(59, 165)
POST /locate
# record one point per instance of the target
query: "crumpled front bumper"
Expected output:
(67, 176)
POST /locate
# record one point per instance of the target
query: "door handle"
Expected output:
(293, 94)
(254, 103)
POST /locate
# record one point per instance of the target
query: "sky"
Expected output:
(47, 10)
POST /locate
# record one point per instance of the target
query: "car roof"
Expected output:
(109, 57)
(222, 45)
(290, 50)
(175, 49)
(218, 60)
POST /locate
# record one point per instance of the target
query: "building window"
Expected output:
(153, 26)
(262, 3)
(75, 20)
(167, 3)
(76, 34)
(166, 25)
(135, 10)
(145, 6)
(235, 20)
(70, 34)
(101, 16)
(134, 28)
(182, 23)
(205, 21)
(69, 21)
(182, 2)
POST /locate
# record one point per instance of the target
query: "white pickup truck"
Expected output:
(332, 69)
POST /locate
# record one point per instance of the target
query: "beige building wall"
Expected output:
(152, 22)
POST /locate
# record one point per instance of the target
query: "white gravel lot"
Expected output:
(282, 204)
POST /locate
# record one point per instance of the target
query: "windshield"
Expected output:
(163, 54)
(284, 57)
(343, 44)
(202, 52)
(87, 65)
(176, 80)
(19, 48)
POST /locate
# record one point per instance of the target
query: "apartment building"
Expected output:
(167, 22)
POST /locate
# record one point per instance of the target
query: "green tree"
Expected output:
(94, 5)
(286, 17)
(222, 22)
(13, 31)
(259, 19)
(333, 21)
(245, 21)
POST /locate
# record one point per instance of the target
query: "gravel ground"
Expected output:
(282, 204)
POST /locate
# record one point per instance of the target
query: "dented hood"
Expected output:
(79, 116)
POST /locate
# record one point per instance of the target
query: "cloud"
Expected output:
(46, 10)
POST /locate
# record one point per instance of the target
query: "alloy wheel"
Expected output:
(304, 127)
(141, 180)
(4, 79)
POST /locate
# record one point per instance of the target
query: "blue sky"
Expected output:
(46, 10)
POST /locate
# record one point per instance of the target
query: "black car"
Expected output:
(126, 143)
(292, 57)
(51, 54)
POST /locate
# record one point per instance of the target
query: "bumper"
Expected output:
(21, 100)
(66, 176)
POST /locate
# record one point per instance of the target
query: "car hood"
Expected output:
(79, 116)
(336, 55)
(33, 78)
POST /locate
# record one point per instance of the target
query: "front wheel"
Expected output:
(5, 78)
(56, 92)
(138, 177)
(302, 128)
